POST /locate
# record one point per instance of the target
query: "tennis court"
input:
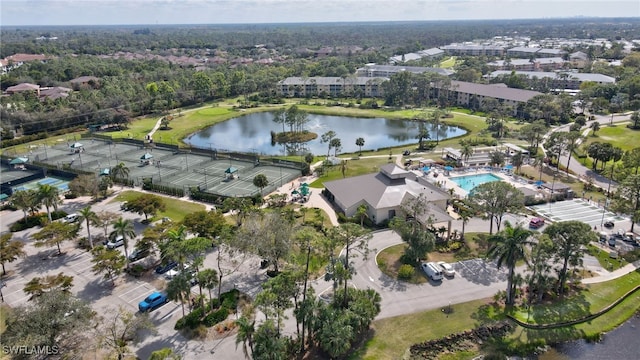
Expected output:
(8, 174)
(166, 165)
(576, 209)
(61, 184)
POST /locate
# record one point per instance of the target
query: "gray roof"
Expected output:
(471, 47)
(431, 52)
(549, 60)
(379, 190)
(525, 49)
(496, 91)
(579, 55)
(571, 75)
(527, 191)
(412, 69)
(557, 186)
(329, 80)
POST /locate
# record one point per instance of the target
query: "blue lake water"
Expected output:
(252, 133)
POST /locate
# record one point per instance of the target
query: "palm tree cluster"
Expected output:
(557, 250)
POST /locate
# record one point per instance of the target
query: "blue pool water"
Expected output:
(470, 181)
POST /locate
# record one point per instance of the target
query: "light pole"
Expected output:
(604, 208)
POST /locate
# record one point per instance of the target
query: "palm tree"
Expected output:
(360, 143)
(435, 119)
(49, 196)
(178, 289)
(124, 228)
(120, 171)
(508, 247)
(246, 329)
(466, 152)
(173, 248)
(91, 218)
(208, 278)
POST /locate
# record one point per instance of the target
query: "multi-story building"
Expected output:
(332, 86)
(473, 50)
(559, 80)
(539, 64)
(373, 70)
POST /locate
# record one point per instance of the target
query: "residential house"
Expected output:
(24, 87)
(84, 82)
(53, 93)
(578, 59)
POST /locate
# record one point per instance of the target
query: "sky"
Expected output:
(125, 12)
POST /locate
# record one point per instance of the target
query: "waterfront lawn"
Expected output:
(354, 168)
(393, 336)
(176, 209)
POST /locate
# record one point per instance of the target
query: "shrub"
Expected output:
(216, 317)
(190, 320)
(200, 332)
(31, 221)
(405, 272)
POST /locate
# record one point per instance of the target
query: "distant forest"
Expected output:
(151, 69)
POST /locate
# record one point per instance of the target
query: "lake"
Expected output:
(252, 133)
(618, 344)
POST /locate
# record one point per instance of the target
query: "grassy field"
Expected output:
(393, 336)
(448, 63)
(176, 209)
(354, 168)
(618, 135)
(576, 186)
(605, 260)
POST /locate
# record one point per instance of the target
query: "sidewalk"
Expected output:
(613, 274)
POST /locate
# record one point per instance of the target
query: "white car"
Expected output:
(112, 244)
(447, 269)
(175, 272)
(71, 218)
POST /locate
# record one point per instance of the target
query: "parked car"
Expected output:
(536, 223)
(112, 244)
(609, 224)
(152, 301)
(138, 254)
(432, 270)
(71, 218)
(447, 269)
(163, 268)
(629, 237)
(603, 236)
(175, 272)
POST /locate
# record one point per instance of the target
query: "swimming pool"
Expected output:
(468, 182)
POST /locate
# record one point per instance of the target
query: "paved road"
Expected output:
(575, 166)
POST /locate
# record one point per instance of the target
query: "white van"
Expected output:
(432, 270)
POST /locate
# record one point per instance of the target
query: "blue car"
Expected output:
(152, 301)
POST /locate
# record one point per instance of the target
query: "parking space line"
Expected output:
(135, 288)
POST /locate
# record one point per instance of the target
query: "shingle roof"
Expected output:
(83, 79)
(554, 75)
(381, 191)
(494, 91)
(23, 87)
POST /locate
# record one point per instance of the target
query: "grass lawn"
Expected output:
(137, 129)
(618, 135)
(604, 259)
(576, 185)
(354, 168)
(448, 63)
(176, 209)
(393, 336)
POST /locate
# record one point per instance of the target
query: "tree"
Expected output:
(120, 171)
(595, 126)
(207, 224)
(49, 196)
(202, 85)
(122, 327)
(539, 279)
(411, 225)
(495, 199)
(90, 218)
(326, 139)
(208, 279)
(569, 239)
(164, 122)
(423, 134)
(40, 285)
(466, 151)
(270, 235)
(123, 228)
(631, 159)
(635, 120)
(10, 251)
(268, 344)
(517, 160)
(105, 219)
(246, 330)
(56, 320)
(260, 181)
(354, 238)
(497, 158)
(556, 145)
(628, 199)
(507, 248)
(571, 140)
(108, 262)
(336, 144)
(106, 183)
(146, 204)
(25, 200)
(435, 120)
(55, 233)
(165, 354)
(360, 143)
(179, 289)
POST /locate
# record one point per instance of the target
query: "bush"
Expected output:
(216, 317)
(405, 272)
(189, 321)
(230, 299)
(31, 221)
